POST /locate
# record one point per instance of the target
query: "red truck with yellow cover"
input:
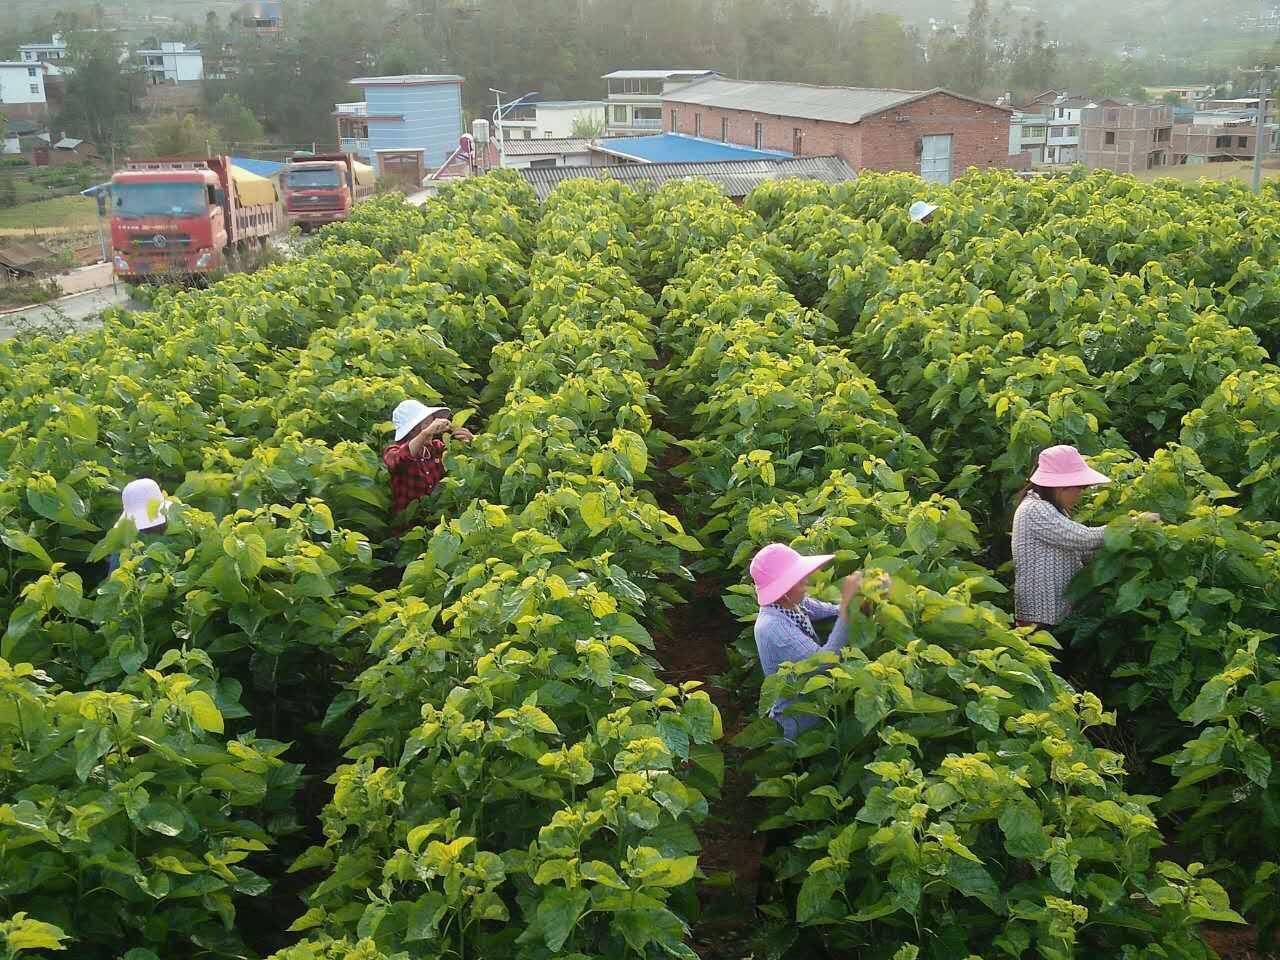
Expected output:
(188, 217)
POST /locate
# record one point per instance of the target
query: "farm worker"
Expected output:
(784, 628)
(921, 211)
(146, 505)
(1049, 548)
(416, 457)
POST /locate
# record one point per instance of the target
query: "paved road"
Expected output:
(82, 309)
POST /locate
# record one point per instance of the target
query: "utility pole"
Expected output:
(1264, 90)
(1263, 87)
(497, 122)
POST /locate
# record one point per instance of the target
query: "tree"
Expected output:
(235, 121)
(179, 136)
(101, 92)
(587, 127)
(978, 46)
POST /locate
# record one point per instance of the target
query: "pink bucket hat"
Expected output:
(1063, 466)
(777, 568)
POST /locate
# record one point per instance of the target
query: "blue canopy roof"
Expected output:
(263, 168)
(681, 148)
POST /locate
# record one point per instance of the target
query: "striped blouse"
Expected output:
(1049, 549)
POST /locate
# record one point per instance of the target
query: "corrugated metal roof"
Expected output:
(679, 148)
(836, 104)
(67, 143)
(736, 178)
(406, 80)
(568, 104)
(653, 74)
(524, 148)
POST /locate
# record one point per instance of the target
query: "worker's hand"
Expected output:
(855, 583)
(463, 434)
(849, 587)
(436, 428)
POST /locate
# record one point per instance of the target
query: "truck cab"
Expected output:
(167, 222)
(320, 189)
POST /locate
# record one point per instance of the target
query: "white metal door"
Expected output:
(935, 158)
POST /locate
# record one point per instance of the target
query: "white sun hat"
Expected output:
(409, 413)
(144, 503)
(921, 209)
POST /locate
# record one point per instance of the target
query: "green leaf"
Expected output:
(25, 543)
(816, 894)
(558, 914)
(163, 818)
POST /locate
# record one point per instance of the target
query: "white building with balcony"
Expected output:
(172, 62)
(552, 119)
(53, 52)
(634, 100)
(1048, 129)
(353, 128)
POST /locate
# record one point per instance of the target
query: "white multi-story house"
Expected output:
(1048, 128)
(551, 119)
(53, 52)
(22, 94)
(635, 97)
(172, 62)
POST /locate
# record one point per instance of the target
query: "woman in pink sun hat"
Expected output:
(1049, 548)
(784, 628)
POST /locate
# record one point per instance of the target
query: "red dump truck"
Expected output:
(322, 188)
(188, 217)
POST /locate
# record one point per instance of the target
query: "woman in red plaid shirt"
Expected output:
(416, 458)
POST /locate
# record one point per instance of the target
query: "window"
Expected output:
(1110, 138)
(548, 134)
(1223, 142)
(1242, 142)
(35, 87)
(1073, 131)
(1058, 132)
(697, 124)
(1164, 134)
(675, 120)
(31, 71)
(528, 134)
(759, 135)
(1113, 116)
(724, 129)
(548, 162)
(619, 114)
(797, 141)
(1034, 133)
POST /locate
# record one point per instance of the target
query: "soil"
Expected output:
(693, 648)
(1238, 943)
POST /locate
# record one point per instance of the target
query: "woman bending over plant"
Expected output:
(416, 457)
(1049, 548)
(784, 628)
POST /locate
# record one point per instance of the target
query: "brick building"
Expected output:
(1126, 137)
(935, 133)
(1213, 141)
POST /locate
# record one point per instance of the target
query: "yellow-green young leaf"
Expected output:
(599, 872)
(593, 512)
(671, 872)
(539, 721)
(312, 918)
(204, 712)
(23, 934)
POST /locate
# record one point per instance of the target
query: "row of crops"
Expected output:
(277, 730)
